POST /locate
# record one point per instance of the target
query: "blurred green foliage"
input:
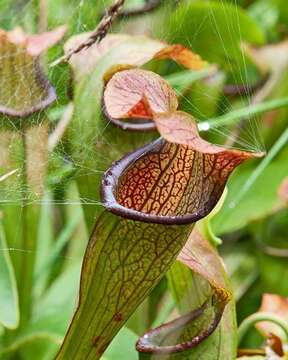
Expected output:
(254, 230)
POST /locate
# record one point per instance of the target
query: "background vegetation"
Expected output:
(44, 234)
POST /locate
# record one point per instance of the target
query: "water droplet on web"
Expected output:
(204, 126)
(231, 205)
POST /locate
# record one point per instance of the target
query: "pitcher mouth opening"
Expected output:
(110, 184)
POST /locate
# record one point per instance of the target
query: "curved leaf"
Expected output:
(189, 330)
(190, 290)
(275, 304)
(137, 94)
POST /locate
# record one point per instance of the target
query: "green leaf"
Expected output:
(40, 343)
(202, 98)
(126, 257)
(244, 113)
(188, 291)
(181, 80)
(122, 347)
(242, 268)
(77, 17)
(44, 244)
(112, 285)
(15, 14)
(53, 312)
(59, 243)
(267, 15)
(50, 317)
(9, 312)
(149, 311)
(253, 205)
(283, 11)
(215, 30)
(270, 236)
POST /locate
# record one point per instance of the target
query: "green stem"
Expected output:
(283, 139)
(261, 316)
(35, 139)
(29, 242)
(244, 113)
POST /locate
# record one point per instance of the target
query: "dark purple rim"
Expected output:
(48, 100)
(109, 186)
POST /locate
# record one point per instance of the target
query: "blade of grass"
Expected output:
(60, 243)
(35, 139)
(44, 243)
(183, 79)
(276, 148)
(243, 113)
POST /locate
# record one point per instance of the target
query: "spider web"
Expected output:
(60, 171)
(82, 18)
